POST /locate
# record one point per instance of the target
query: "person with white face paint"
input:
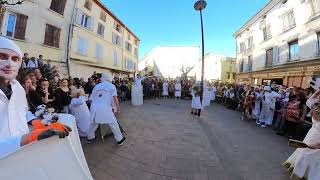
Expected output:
(102, 97)
(177, 89)
(14, 131)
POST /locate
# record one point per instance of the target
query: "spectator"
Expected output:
(88, 87)
(33, 63)
(77, 85)
(25, 60)
(63, 97)
(41, 95)
(37, 74)
(40, 61)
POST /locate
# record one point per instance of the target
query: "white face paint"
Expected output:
(9, 69)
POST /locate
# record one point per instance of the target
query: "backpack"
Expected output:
(293, 111)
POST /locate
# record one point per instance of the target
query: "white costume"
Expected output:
(177, 90)
(213, 93)
(14, 111)
(81, 112)
(304, 163)
(257, 103)
(101, 108)
(206, 95)
(268, 106)
(165, 89)
(196, 102)
(137, 92)
(32, 64)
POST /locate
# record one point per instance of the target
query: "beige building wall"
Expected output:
(39, 14)
(88, 62)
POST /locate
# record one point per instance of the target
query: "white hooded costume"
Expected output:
(268, 106)
(177, 89)
(206, 95)
(101, 107)
(14, 111)
(165, 89)
(213, 93)
(80, 110)
(137, 92)
(196, 102)
(257, 103)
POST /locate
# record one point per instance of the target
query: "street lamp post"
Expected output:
(199, 6)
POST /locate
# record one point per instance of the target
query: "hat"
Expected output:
(6, 43)
(106, 77)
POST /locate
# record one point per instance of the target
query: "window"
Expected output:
(100, 29)
(58, 6)
(103, 16)
(82, 46)
(318, 43)
(88, 4)
(117, 27)
(249, 63)
(269, 57)
(266, 33)
(84, 20)
(241, 65)
(129, 37)
(130, 64)
(136, 52)
(250, 42)
(115, 58)
(288, 21)
(294, 50)
(128, 47)
(136, 42)
(99, 51)
(242, 47)
(229, 75)
(16, 26)
(116, 39)
(315, 7)
(52, 36)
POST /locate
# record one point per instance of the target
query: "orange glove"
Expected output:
(37, 124)
(47, 131)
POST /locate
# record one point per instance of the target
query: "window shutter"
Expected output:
(62, 5)
(58, 6)
(56, 37)
(21, 25)
(78, 16)
(276, 55)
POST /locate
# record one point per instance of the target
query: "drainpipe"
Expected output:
(70, 35)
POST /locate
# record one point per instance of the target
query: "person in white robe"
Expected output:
(213, 92)
(196, 105)
(165, 89)
(268, 107)
(14, 131)
(206, 95)
(177, 89)
(81, 112)
(304, 162)
(256, 110)
(101, 111)
(137, 91)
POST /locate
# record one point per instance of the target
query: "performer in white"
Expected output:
(80, 110)
(101, 108)
(196, 102)
(137, 91)
(257, 103)
(14, 131)
(213, 92)
(206, 95)
(268, 107)
(177, 89)
(165, 89)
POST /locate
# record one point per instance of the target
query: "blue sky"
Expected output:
(175, 22)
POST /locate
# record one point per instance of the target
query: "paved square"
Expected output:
(165, 142)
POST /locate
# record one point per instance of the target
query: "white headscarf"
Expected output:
(106, 77)
(267, 88)
(9, 44)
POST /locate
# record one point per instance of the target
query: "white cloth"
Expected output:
(268, 107)
(213, 93)
(206, 96)
(196, 102)
(177, 88)
(114, 128)
(257, 108)
(304, 163)
(51, 158)
(165, 89)
(137, 81)
(137, 95)
(101, 107)
(81, 112)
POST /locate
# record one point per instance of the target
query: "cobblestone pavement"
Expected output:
(166, 143)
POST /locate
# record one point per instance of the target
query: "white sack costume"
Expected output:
(80, 110)
(165, 89)
(177, 88)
